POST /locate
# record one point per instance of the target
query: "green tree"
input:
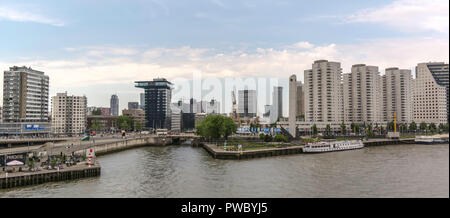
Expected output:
(328, 129)
(314, 129)
(413, 126)
(216, 127)
(96, 124)
(97, 112)
(138, 125)
(124, 122)
(390, 126)
(423, 126)
(343, 128)
(432, 127)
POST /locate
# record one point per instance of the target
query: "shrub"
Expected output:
(281, 138)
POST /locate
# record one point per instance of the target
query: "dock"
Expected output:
(21, 179)
(218, 153)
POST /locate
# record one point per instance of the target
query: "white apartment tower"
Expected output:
(398, 95)
(323, 92)
(363, 95)
(430, 95)
(68, 114)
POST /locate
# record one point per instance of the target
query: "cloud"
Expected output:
(116, 74)
(26, 15)
(408, 15)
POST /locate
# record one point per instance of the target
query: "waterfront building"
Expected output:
(137, 115)
(105, 111)
(106, 123)
(188, 122)
(176, 120)
(25, 102)
(158, 95)
(68, 114)
(431, 93)
(133, 105)
(1, 110)
(398, 95)
(323, 92)
(247, 104)
(114, 105)
(363, 95)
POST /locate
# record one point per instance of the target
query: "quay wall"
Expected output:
(36, 178)
(236, 155)
(102, 149)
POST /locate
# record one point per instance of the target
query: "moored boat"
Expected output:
(436, 139)
(320, 147)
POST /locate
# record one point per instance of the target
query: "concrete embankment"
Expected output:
(34, 178)
(110, 147)
(237, 155)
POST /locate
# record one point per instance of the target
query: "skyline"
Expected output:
(244, 39)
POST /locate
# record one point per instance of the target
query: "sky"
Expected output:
(99, 48)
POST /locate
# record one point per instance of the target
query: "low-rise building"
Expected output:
(103, 123)
(137, 115)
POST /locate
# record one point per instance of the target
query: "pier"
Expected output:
(19, 179)
(218, 153)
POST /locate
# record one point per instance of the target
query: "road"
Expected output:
(69, 146)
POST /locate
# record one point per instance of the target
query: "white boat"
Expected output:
(436, 139)
(332, 146)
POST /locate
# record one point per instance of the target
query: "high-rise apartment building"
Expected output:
(440, 73)
(363, 95)
(398, 95)
(25, 95)
(68, 114)
(323, 92)
(431, 93)
(114, 105)
(158, 95)
(25, 102)
(247, 104)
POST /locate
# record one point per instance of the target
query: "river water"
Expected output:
(184, 171)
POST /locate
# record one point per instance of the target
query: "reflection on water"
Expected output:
(183, 171)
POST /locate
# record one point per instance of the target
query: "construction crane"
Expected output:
(234, 113)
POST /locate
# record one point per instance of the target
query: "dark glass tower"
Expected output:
(158, 95)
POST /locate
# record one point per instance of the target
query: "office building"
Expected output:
(363, 95)
(142, 101)
(105, 123)
(398, 95)
(247, 104)
(431, 93)
(133, 105)
(114, 105)
(25, 102)
(158, 95)
(323, 92)
(277, 102)
(68, 114)
(137, 115)
(176, 120)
